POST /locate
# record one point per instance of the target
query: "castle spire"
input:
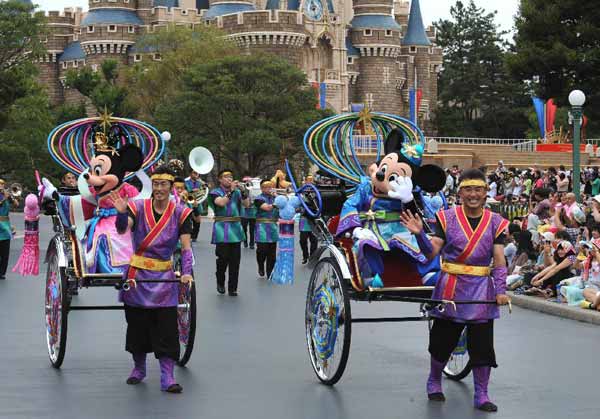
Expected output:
(415, 34)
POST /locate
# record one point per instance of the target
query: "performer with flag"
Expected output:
(266, 228)
(469, 238)
(157, 224)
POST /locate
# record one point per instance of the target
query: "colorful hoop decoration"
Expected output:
(330, 143)
(70, 144)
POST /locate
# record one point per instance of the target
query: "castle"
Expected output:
(373, 52)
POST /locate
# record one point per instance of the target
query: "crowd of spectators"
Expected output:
(553, 246)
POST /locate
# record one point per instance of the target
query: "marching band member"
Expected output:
(306, 233)
(226, 201)
(184, 198)
(248, 220)
(469, 239)
(6, 230)
(193, 183)
(266, 228)
(157, 225)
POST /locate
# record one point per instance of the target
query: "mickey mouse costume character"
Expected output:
(93, 213)
(372, 214)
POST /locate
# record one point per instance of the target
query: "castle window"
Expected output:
(95, 68)
(413, 50)
(131, 29)
(157, 57)
(90, 29)
(368, 32)
(112, 28)
(350, 60)
(388, 32)
(184, 12)
(137, 58)
(75, 64)
(64, 65)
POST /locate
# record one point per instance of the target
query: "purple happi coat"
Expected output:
(466, 246)
(162, 247)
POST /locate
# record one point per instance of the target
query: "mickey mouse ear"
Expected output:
(430, 178)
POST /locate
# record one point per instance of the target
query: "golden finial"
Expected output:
(105, 120)
(365, 117)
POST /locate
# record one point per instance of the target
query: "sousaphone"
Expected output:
(201, 161)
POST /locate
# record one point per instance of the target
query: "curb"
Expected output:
(555, 309)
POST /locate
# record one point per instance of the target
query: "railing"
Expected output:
(367, 144)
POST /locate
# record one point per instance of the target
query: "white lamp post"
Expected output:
(577, 100)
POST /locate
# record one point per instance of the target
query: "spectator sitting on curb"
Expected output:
(545, 282)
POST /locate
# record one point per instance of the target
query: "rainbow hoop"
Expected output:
(70, 144)
(330, 143)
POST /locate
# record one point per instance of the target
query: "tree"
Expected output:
(152, 82)
(557, 49)
(250, 111)
(477, 95)
(102, 88)
(21, 32)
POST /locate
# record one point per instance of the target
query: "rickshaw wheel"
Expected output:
(458, 366)
(56, 310)
(186, 315)
(328, 321)
(186, 321)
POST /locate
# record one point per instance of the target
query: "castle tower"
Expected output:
(60, 33)
(376, 35)
(422, 62)
(107, 31)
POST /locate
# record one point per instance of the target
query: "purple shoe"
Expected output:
(481, 378)
(434, 382)
(167, 380)
(139, 370)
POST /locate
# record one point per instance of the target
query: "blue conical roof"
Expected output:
(415, 34)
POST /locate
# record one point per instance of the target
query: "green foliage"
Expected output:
(557, 49)
(102, 88)
(152, 82)
(20, 35)
(250, 111)
(477, 95)
(68, 112)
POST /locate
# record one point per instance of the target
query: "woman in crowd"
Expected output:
(545, 282)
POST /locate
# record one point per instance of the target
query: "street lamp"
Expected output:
(577, 99)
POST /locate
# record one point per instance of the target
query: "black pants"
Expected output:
(266, 252)
(228, 257)
(4, 253)
(152, 330)
(249, 222)
(195, 229)
(444, 336)
(305, 236)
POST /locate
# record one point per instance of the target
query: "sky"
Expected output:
(432, 10)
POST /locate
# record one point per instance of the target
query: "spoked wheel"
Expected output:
(186, 322)
(458, 366)
(56, 310)
(328, 321)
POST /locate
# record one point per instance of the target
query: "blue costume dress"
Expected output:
(382, 217)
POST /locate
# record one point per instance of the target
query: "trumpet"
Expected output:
(195, 198)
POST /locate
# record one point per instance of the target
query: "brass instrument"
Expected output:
(201, 161)
(16, 190)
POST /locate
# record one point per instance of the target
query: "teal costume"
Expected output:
(266, 221)
(227, 227)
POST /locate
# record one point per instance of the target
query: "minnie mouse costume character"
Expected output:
(372, 214)
(92, 213)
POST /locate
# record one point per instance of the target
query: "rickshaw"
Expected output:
(335, 280)
(65, 255)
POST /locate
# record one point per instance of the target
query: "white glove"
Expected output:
(360, 233)
(49, 189)
(401, 188)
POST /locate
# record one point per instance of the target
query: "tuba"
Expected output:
(202, 161)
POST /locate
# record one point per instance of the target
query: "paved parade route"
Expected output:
(250, 359)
